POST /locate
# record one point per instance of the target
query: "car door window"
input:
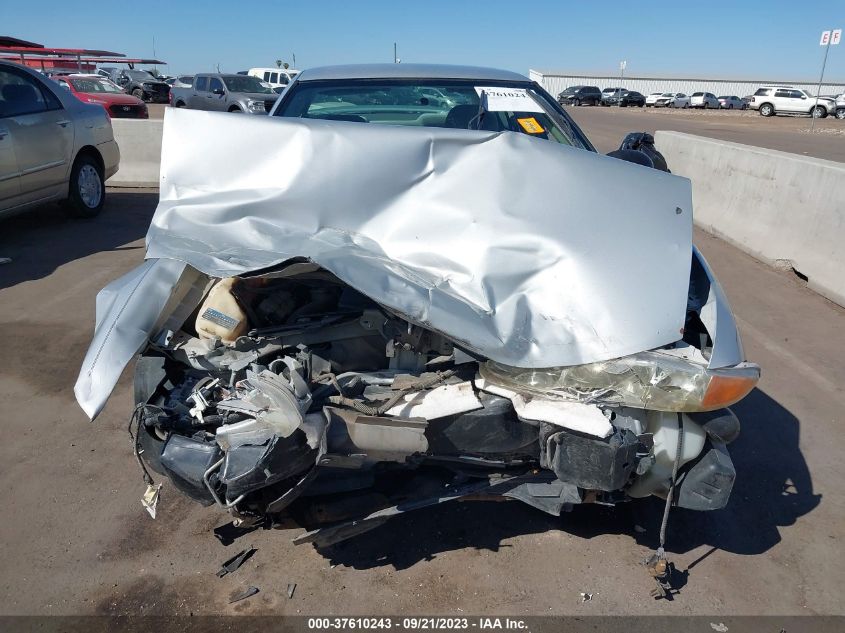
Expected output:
(215, 84)
(796, 94)
(201, 84)
(785, 94)
(20, 94)
(267, 76)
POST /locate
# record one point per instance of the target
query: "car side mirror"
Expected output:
(632, 156)
(638, 148)
(217, 91)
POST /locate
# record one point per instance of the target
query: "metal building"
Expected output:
(556, 82)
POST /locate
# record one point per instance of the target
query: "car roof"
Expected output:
(408, 71)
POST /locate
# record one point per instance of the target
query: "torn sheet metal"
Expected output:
(531, 253)
(576, 416)
(439, 402)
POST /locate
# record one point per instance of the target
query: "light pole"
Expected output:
(828, 38)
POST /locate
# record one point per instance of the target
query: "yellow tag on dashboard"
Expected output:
(530, 125)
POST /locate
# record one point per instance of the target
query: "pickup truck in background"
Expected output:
(225, 93)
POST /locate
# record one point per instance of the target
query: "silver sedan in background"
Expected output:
(732, 103)
(53, 147)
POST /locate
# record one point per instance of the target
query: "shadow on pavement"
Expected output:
(41, 240)
(772, 490)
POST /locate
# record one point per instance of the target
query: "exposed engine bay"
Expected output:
(293, 391)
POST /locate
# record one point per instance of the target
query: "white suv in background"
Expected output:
(769, 100)
(704, 100)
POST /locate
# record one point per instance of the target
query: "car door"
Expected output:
(803, 103)
(783, 100)
(10, 183)
(216, 101)
(199, 93)
(41, 131)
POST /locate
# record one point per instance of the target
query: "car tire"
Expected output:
(686, 105)
(767, 109)
(840, 113)
(236, 110)
(818, 112)
(139, 94)
(730, 106)
(576, 102)
(87, 189)
(179, 104)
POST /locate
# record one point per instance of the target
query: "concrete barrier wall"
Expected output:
(140, 152)
(785, 209)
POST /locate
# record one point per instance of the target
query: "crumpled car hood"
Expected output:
(528, 252)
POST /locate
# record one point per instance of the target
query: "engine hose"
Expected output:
(137, 419)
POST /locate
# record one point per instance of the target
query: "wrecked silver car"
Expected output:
(415, 284)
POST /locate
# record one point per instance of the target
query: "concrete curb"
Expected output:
(140, 152)
(785, 209)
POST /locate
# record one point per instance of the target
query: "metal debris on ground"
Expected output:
(586, 597)
(5, 260)
(150, 498)
(720, 628)
(235, 562)
(639, 529)
(291, 589)
(249, 591)
(661, 571)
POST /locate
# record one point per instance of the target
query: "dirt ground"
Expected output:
(77, 541)
(606, 127)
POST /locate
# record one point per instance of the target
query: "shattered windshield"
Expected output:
(458, 104)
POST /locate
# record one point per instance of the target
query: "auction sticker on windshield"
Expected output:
(530, 125)
(507, 99)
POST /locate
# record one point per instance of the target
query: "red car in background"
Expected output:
(97, 89)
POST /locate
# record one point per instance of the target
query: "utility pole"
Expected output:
(294, 59)
(828, 38)
(395, 58)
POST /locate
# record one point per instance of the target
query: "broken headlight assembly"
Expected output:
(652, 380)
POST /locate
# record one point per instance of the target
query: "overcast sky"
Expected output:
(751, 39)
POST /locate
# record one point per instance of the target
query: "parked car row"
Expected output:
(768, 100)
(591, 95)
